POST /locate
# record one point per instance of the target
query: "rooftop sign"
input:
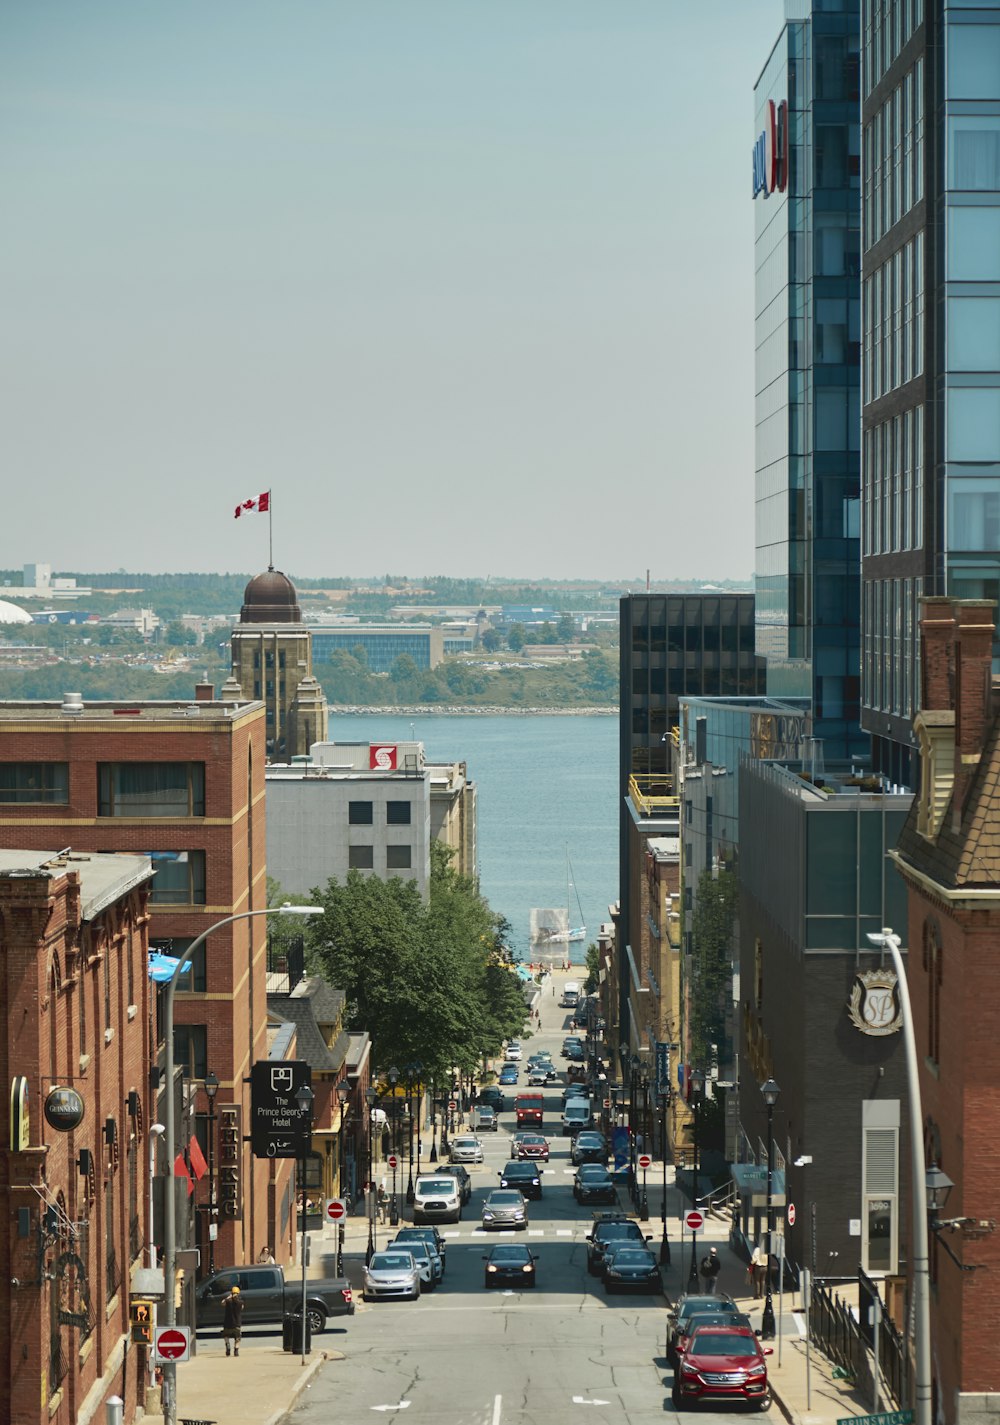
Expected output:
(770, 152)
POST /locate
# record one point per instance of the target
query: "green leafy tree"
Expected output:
(712, 937)
(491, 640)
(517, 637)
(566, 628)
(593, 980)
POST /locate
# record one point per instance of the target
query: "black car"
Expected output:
(523, 1175)
(610, 1227)
(571, 1042)
(589, 1147)
(629, 1267)
(430, 1235)
(455, 1170)
(593, 1183)
(492, 1096)
(513, 1264)
(689, 1306)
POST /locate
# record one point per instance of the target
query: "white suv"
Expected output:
(437, 1199)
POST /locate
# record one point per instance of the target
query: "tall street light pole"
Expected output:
(410, 1069)
(343, 1094)
(697, 1080)
(770, 1092)
(170, 1124)
(371, 1095)
(211, 1089)
(664, 1244)
(304, 1098)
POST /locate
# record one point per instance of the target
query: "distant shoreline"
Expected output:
(437, 710)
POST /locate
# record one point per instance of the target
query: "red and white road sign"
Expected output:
(172, 1343)
(694, 1221)
(452, 1105)
(791, 1214)
(335, 1209)
(644, 1161)
(392, 1162)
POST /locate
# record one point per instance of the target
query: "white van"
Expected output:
(437, 1199)
(576, 1115)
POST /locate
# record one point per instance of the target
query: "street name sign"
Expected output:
(887, 1417)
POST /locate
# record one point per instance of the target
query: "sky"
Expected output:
(466, 284)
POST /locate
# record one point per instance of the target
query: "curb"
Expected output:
(302, 1381)
(782, 1405)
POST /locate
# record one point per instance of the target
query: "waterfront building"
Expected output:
(75, 1117)
(382, 644)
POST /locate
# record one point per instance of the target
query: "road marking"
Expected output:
(497, 1400)
(579, 1400)
(564, 1231)
(536, 1231)
(400, 1405)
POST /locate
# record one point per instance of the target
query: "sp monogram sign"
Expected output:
(874, 1003)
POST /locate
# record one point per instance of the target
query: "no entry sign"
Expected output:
(452, 1105)
(172, 1343)
(694, 1221)
(644, 1161)
(392, 1161)
(336, 1209)
(791, 1214)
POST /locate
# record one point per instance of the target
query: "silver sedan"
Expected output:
(505, 1207)
(392, 1274)
(467, 1149)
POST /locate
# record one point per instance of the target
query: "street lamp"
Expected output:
(646, 1137)
(371, 1096)
(418, 1069)
(664, 1244)
(633, 1105)
(304, 1098)
(434, 1124)
(697, 1081)
(169, 1212)
(343, 1094)
(155, 1132)
(211, 1089)
(770, 1093)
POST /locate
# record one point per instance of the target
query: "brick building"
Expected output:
(183, 784)
(949, 856)
(74, 1053)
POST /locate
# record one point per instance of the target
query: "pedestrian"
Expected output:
(710, 1268)
(757, 1271)
(382, 1200)
(266, 1257)
(232, 1320)
(553, 989)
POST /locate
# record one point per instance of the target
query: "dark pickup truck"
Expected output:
(268, 1296)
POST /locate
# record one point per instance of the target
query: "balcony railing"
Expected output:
(652, 793)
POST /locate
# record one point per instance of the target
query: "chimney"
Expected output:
(937, 676)
(973, 711)
(204, 692)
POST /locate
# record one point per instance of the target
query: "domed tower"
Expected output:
(272, 660)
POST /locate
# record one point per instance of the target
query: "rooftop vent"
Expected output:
(72, 703)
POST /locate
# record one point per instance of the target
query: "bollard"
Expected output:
(114, 1410)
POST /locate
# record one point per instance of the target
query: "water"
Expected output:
(545, 784)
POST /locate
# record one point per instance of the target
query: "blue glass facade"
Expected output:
(808, 394)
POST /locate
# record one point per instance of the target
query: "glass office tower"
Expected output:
(931, 270)
(806, 183)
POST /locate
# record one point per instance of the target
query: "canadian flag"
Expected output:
(262, 504)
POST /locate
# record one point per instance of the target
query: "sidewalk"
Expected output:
(256, 1388)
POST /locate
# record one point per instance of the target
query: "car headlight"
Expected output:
(759, 1369)
(490, 1267)
(688, 1370)
(527, 1268)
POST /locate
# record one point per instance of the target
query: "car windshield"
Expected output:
(509, 1254)
(426, 1185)
(392, 1262)
(700, 1303)
(631, 1257)
(465, 1142)
(590, 1140)
(612, 1230)
(592, 1172)
(534, 1140)
(504, 1199)
(722, 1343)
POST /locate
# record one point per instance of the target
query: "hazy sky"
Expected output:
(468, 284)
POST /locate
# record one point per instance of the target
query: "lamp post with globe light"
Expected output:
(304, 1099)
(770, 1092)
(211, 1089)
(697, 1082)
(343, 1094)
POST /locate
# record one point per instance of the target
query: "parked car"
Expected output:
(486, 1118)
(431, 1236)
(391, 1273)
(534, 1146)
(509, 1262)
(461, 1176)
(505, 1207)
(679, 1319)
(627, 1266)
(524, 1176)
(722, 1363)
(467, 1148)
(589, 1147)
(429, 1264)
(437, 1199)
(268, 1296)
(610, 1227)
(593, 1183)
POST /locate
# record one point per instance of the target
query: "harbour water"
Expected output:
(547, 786)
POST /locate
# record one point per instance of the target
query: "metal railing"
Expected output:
(652, 793)
(894, 1361)
(833, 1329)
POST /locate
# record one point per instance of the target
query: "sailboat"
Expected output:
(563, 932)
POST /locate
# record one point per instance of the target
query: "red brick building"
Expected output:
(949, 855)
(184, 784)
(74, 1014)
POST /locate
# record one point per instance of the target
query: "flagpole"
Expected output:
(270, 533)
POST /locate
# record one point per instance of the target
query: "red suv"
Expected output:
(722, 1363)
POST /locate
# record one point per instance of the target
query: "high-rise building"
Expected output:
(806, 187)
(931, 337)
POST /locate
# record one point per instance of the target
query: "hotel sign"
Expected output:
(874, 1005)
(770, 152)
(231, 1161)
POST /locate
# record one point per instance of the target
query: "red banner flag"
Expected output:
(197, 1157)
(262, 504)
(181, 1171)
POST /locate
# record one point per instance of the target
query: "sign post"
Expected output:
(645, 1162)
(393, 1163)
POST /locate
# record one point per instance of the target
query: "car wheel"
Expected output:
(316, 1319)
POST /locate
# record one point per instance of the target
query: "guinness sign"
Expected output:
(63, 1109)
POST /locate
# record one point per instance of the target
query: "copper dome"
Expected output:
(270, 598)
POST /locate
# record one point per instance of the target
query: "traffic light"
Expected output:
(140, 1315)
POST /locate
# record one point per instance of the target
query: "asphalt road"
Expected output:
(564, 1351)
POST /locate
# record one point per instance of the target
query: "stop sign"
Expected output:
(171, 1343)
(694, 1221)
(791, 1214)
(645, 1161)
(336, 1209)
(392, 1161)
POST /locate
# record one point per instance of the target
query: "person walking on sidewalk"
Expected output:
(232, 1320)
(757, 1272)
(710, 1269)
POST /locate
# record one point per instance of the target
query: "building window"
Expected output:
(149, 789)
(179, 879)
(360, 813)
(362, 858)
(398, 858)
(397, 813)
(195, 979)
(191, 1049)
(932, 966)
(26, 782)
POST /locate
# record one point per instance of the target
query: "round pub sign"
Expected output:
(63, 1109)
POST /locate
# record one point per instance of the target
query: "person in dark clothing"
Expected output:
(232, 1320)
(710, 1268)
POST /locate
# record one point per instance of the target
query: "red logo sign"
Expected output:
(382, 758)
(336, 1209)
(392, 1161)
(645, 1161)
(452, 1105)
(694, 1221)
(171, 1343)
(791, 1214)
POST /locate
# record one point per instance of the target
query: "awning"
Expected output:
(162, 967)
(751, 1182)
